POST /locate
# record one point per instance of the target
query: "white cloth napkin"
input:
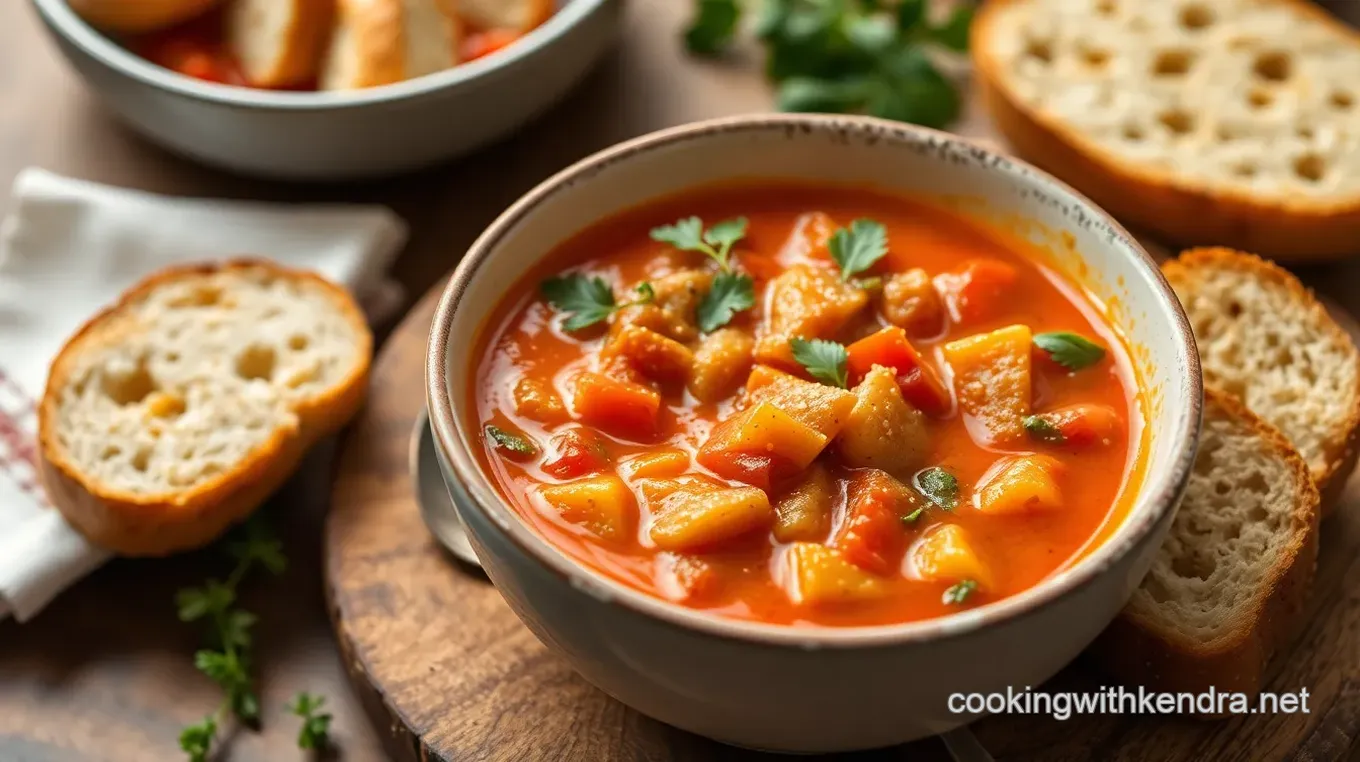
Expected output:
(70, 247)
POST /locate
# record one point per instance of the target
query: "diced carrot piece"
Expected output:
(819, 406)
(920, 384)
(656, 356)
(577, 451)
(992, 380)
(805, 512)
(809, 302)
(479, 44)
(873, 536)
(655, 490)
(1020, 485)
(722, 359)
(761, 267)
(1084, 425)
(882, 430)
(946, 555)
(818, 575)
(686, 578)
(690, 519)
(619, 407)
(760, 445)
(669, 462)
(538, 401)
(600, 504)
(977, 290)
(911, 302)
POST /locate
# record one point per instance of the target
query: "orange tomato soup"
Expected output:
(818, 405)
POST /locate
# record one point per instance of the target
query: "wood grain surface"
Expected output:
(105, 673)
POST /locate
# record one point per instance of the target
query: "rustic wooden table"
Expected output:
(105, 673)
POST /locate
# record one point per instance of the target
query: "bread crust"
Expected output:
(379, 44)
(1182, 213)
(1340, 445)
(123, 17)
(140, 525)
(303, 43)
(538, 11)
(1137, 652)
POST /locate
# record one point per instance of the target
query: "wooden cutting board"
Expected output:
(447, 671)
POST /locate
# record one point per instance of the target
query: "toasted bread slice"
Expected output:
(379, 42)
(124, 17)
(1223, 122)
(519, 15)
(1227, 589)
(1263, 337)
(176, 412)
(279, 43)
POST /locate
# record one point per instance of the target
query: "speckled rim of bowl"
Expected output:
(60, 15)
(455, 444)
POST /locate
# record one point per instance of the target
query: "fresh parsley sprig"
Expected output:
(513, 444)
(316, 725)
(858, 247)
(824, 360)
(588, 300)
(958, 593)
(227, 659)
(731, 292)
(1070, 350)
(846, 56)
(1043, 430)
(939, 487)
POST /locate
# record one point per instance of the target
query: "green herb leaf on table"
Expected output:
(1043, 430)
(856, 248)
(909, 14)
(824, 360)
(315, 730)
(958, 593)
(1070, 350)
(909, 88)
(196, 740)
(716, 243)
(512, 442)
(730, 293)
(953, 33)
(587, 300)
(939, 487)
(713, 26)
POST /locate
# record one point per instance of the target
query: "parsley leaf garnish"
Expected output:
(512, 443)
(688, 234)
(1070, 350)
(824, 360)
(856, 248)
(939, 487)
(316, 725)
(958, 593)
(911, 518)
(713, 26)
(731, 293)
(1043, 430)
(588, 300)
(847, 56)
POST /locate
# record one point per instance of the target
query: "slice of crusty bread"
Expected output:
(138, 16)
(1224, 122)
(379, 42)
(176, 412)
(519, 15)
(1263, 337)
(279, 43)
(1228, 587)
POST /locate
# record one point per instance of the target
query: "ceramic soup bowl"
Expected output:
(816, 689)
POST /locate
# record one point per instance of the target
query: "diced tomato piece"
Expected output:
(479, 44)
(618, 407)
(760, 267)
(755, 469)
(1086, 425)
(873, 537)
(577, 451)
(187, 53)
(920, 384)
(977, 289)
(686, 578)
